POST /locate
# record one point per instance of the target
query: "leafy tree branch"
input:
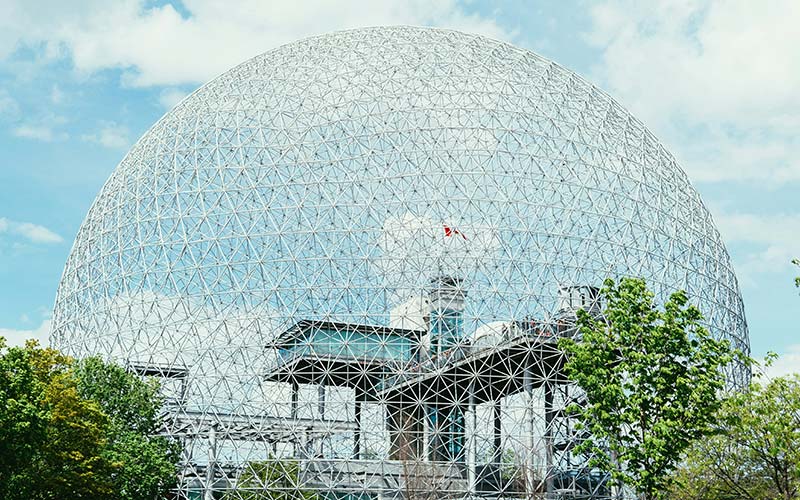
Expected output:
(653, 380)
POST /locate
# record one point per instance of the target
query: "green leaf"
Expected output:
(653, 379)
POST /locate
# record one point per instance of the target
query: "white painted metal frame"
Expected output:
(332, 179)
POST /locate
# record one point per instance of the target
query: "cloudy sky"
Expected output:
(717, 81)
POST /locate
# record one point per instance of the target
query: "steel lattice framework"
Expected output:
(349, 258)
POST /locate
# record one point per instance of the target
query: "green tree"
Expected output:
(82, 430)
(510, 464)
(51, 439)
(796, 262)
(72, 462)
(145, 461)
(755, 454)
(23, 417)
(652, 380)
(273, 479)
(21, 425)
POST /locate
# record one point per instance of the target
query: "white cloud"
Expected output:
(8, 105)
(110, 135)
(409, 243)
(18, 337)
(157, 45)
(772, 241)
(721, 75)
(713, 60)
(37, 233)
(32, 232)
(39, 132)
(726, 152)
(170, 97)
(787, 363)
(773, 229)
(44, 128)
(56, 95)
(223, 349)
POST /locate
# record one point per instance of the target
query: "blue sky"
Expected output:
(716, 81)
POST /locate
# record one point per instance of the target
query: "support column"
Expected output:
(295, 391)
(498, 433)
(472, 447)
(321, 410)
(549, 414)
(208, 494)
(357, 436)
(531, 475)
(183, 391)
(293, 414)
(427, 434)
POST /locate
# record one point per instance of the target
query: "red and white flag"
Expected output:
(451, 231)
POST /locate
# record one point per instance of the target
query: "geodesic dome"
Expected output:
(348, 260)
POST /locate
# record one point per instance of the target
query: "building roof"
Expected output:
(296, 331)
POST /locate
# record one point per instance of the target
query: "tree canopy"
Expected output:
(144, 461)
(273, 479)
(51, 440)
(755, 453)
(79, 430)
(653, 380)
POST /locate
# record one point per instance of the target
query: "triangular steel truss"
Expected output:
(349, 260)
